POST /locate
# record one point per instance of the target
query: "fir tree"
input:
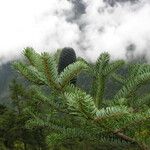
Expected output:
(74, 117)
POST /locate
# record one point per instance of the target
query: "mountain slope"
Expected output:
(6, 75)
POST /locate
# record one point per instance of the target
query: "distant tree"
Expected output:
(14, 134)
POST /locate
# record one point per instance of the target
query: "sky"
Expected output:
(89, 26)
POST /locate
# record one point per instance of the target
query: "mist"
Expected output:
(90, 27)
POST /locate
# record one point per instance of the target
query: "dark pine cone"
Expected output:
(67, 56)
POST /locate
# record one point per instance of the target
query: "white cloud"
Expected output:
(43, 25)
(113, 29)
(30, 22)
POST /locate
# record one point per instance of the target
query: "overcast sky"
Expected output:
(22, 24)
(47, 25)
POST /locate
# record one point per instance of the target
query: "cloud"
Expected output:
(113, 29)
(90, 27)
(37, 23)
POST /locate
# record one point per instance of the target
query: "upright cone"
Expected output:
(67, 57)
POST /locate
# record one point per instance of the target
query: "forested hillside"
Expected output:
(7, 73)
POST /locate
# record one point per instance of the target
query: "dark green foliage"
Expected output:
(72, 118)
(14, 134)
(100, 72)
